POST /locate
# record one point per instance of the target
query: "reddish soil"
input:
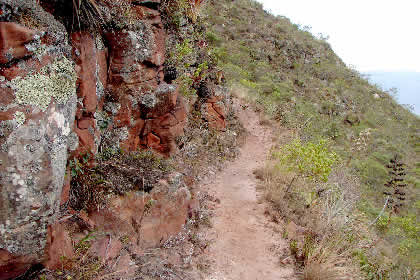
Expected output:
(243, 237)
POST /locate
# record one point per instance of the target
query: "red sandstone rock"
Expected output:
(153, 141)
(86, 141)
(31, 65)
(31, 201)
(59, 247)
(86, 59)
(150, 15)
(92, 79)
(12, 266)
(65, 193)
(13, 38)
(85, 123)
(147, 220)
(133, 141)
(215, 120)
(219, 107)
(107, 248)
(167, 128)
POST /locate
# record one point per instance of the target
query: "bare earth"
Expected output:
(243, 237)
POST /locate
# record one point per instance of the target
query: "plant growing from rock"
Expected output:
(87, 12)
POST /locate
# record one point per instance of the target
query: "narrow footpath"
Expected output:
(243, 241)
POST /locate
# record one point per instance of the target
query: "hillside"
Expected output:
(173, 139)
(299, 82)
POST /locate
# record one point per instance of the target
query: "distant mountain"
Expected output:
(407, 83)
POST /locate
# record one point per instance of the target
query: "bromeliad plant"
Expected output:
(395, 185)
(395, 194)
(88, 11)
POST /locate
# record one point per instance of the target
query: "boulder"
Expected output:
(213, 106)
(37, 113)
(147, 220)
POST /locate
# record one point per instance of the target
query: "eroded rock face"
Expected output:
(37, 112)
(63, 95)
(130, 225)
(146, 111)
(146, 220)
(90, 55)
(213, 106)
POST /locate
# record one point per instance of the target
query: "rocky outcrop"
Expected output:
(38, 103)
(63, 95)
(213, 105)
(90, 55)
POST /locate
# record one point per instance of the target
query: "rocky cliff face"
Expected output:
(65, 94)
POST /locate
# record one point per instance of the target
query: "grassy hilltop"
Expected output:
(301, 84)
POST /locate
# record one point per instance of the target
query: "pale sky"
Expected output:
(368, 34)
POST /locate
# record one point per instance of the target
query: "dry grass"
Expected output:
(330, 259)
(324, 248)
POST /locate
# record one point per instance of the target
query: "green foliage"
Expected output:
(200, 71)
(308, 160)
(408, 225)
(383, 222)
(372, 172)
(175, 11)
(213, 39)
(84, 244)
(293, 247)
(77, 166)
(183, 49)
(249, 84)
(185, 86)
(371, 269)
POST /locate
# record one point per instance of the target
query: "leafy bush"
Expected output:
(308, 160)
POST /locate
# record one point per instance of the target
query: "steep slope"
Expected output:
(298, 81)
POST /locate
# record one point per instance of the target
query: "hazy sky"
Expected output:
(369, 34)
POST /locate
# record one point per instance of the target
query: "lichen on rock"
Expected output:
(19, 118)
(57, 80)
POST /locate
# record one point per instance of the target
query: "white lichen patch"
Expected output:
(149, 100)
(19, 118)
(122, 133)
(99, 43)
(60, 121)
(57, 81)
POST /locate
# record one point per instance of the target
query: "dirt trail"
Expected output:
(243, 238)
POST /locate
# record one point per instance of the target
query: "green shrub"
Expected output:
(308, 160)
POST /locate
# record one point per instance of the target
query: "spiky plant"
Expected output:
(396, 184)
(87, 13)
